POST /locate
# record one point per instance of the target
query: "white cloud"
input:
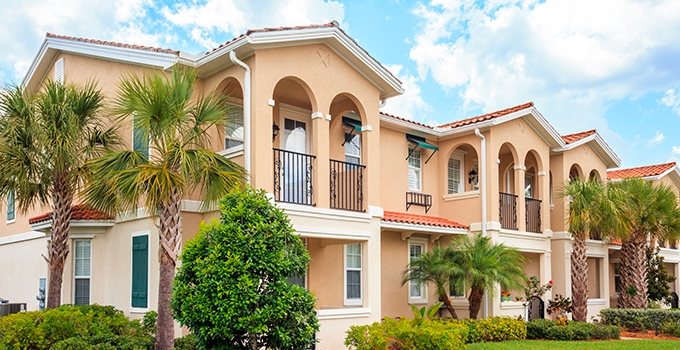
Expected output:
(671, 100)
(570, 57)
(409, 105)
(675, 154)
(234, 17)
(127, 10)
(657, 139)
(134, 33)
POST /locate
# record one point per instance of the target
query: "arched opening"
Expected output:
(347, 153)
(532, 202)
(507, 158)
(575, 173)
(291, 134)
(233, 133)
(594, 176)
(462, 170)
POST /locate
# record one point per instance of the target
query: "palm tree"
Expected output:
(483, 263)
(646, 210)
(436, 267)
(45, 141)
(591, 212)
(178, 162)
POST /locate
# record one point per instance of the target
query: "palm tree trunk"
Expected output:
(579, 278)
(447, 302)
(475, 299)
(58, 249)
(170, 231)
(633, 272)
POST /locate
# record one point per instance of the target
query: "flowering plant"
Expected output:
(534, 288)
(505, 294)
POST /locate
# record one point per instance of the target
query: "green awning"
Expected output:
(421, 142)
(355, 124)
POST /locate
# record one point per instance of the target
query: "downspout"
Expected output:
(246, 113)
(482, 187)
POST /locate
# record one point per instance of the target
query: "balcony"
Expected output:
(533, 215)
(346, 186)
(419, 199)
(293, 182)
(507, 210)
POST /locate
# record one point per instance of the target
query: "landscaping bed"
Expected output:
(648, 335)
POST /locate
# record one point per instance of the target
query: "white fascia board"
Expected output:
(598, 145)
(401, 125)
(36, 61)
(422, 228)
(548, 133)
(223, 51)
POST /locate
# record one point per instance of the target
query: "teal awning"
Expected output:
(354, 124)
(421, 142)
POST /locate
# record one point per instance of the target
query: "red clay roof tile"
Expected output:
(416, 219)
(643, 171)
(112, 43)
(577, 136)
(487, 116)
(406, 120)
(78, 212)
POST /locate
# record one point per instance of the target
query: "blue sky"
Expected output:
(613, 65)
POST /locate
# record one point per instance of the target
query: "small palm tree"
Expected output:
(591, 212)
(646, 210)
(483, 263)
(178, 162)
(435, 267)
(45, 141)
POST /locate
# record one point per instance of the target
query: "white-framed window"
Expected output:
(415, 170)
(353, 274)
(11, 207)
(82, 271)
(299, 280)
(353, 148)
(456, 179)
(417, 292)
(529, 185)
(456, 291)
(233, 135)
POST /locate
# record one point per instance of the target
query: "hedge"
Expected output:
(546, 329)
(494, 329)
(407, 334)
(639, 319)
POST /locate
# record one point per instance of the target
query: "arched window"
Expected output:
(455, 171)
(233, 135)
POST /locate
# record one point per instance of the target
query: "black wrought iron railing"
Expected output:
(293, 181)
(346, 185)
(419, 199)
(533, 214)
(507, 210)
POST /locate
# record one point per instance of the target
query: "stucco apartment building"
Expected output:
(367, 190)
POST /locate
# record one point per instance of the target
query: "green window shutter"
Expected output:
(140, 141)
(140, 271)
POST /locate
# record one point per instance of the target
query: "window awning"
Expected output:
(352, 123)
(422, 143)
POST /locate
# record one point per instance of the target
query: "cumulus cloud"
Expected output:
(657, 139)
(570, 57)
(671, 99)
(675, 154)
(410, 105)
(234, 17)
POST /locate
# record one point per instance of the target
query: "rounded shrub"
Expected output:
(407, 334)
(494, 329)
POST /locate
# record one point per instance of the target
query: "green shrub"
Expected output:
(638, 319)
(494, 329)
(580, 330)
(73, 327)
(538, 329)
(559, 333)
(605, 332)
(187, 342)
(407, 334)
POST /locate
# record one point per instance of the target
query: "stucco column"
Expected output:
(519, 188)
(605, 279)
(320, 148)
(677, 279)
(543, 183)
(262, 153)
(545, 273)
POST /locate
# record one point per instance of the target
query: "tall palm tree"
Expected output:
(178, 162)
(646, 210)
(483, 263)
(591, 211)
(45, 141)
(435, 267)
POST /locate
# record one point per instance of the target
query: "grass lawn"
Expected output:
(558, 345)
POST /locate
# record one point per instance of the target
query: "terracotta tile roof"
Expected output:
(405, 218)
(616, 242)
(577, 136)
(643, 171)
(487, 116)
(78, 212)
(406, 120)
(113, 43)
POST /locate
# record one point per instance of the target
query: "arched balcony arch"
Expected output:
(532, 191)
(507, 210)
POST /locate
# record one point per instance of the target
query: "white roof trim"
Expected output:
(422, 228)
(612, 162)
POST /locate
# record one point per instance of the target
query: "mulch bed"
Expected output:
(648, 335)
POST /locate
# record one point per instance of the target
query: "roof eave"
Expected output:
(598, 145)
(422, 228)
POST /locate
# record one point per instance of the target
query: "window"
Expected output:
(301, 280)
(455, 173)
(456, 290)
(528, 186)
(234, 129)
(140, 139)
(417, 292)
(414, 170)
(353, 274)
(353, 148)
(81, 272)
(140, 271)
(10, 207)
(475, 167)
(59, 71)
(617, 278)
